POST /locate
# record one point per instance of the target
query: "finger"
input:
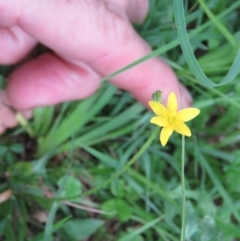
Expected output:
(14, 44)
(98, 31)
(49, 80)
(115, 43)
(136, 10)
(162, 78)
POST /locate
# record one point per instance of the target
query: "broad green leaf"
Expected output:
(21, 169)
(71, 186)
(16, 147)
(81, 229)
(118, 208)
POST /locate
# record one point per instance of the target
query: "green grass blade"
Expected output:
(155, 187)
(189, 55)
(101, 131)
(135, 233)
(22, 221)
(42, 120)
(229, 228)
(174, 43)
(126, 166)
(51, 216)
(137, 176)
(49, 225)
(219, 25)
(217, 183)
(83, 113)
(56, 226)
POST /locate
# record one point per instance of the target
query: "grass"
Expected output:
(70, 152)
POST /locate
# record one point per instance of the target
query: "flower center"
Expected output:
(171, 120)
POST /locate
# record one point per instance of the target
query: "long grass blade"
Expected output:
(189, 55)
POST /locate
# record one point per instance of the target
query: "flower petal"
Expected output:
(165, 134)
(172, 104)
(181, 128)
(158, 120)
(187, 114)
(157, 108)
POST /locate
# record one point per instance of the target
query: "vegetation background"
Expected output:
(47, 168)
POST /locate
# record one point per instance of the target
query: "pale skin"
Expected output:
(89, 39)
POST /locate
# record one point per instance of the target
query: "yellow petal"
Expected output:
(157, 108)
(172, 104)
(165, 134)
(160, 121)
(181, 128)
(187, 114)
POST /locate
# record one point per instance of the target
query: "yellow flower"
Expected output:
(171, 119)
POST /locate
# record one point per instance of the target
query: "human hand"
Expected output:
(89, 39)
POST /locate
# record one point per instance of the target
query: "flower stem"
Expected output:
(183, 191)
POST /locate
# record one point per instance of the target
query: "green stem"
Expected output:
(24, 123)
(132, 160)
(183, 191)
(53, 210)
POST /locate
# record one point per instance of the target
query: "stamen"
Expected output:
(171, 120)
